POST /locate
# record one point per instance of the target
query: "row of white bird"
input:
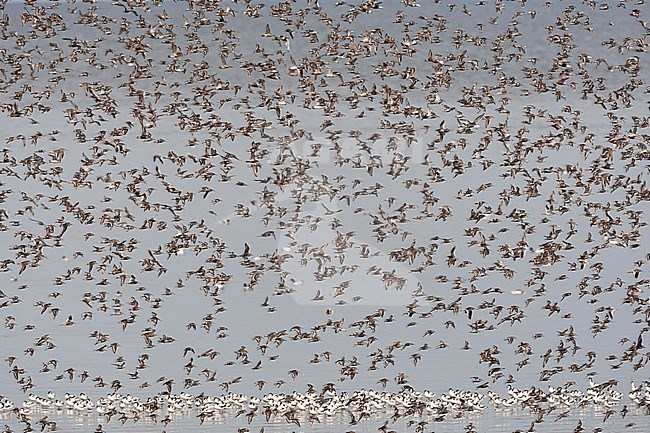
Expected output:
(362, 403)
(557, 397)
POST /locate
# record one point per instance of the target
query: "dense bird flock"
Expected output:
(296, 212)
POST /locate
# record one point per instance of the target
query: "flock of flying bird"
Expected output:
(355, 190)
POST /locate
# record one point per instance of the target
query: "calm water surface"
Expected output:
(255, 199)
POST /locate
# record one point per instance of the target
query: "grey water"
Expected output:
(328, 209)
